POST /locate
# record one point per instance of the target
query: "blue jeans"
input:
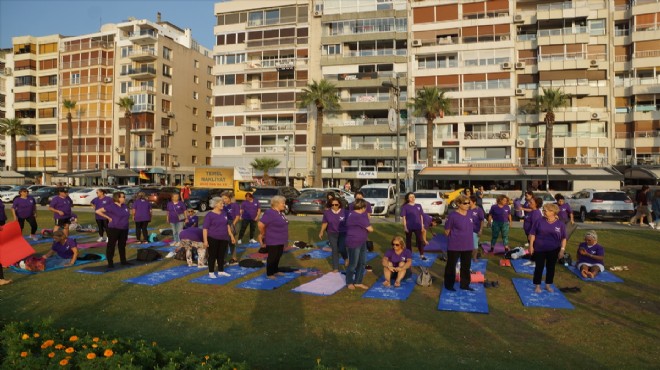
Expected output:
(176, 229)
(357, 258)
(337, 242)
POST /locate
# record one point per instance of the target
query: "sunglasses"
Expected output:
(465, 203)
(396, 244)
(335, 204)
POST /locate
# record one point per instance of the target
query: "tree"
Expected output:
(265, 164)
(322, 95)
(548, 102)
(69, 105)
(12, 127)
(126, 103)
(430, 103)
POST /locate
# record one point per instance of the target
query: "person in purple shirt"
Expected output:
(565, 211)
(360, 195)
(358, 228)
(459, 229)
(101, 201)
(141, 212)
(534, 214)
(117, 214)
(499, 218)
(413, 223)
(334, 223)
(478, 216)
(193, 238)
(3, 220)
(61, 207)
(65, 248)
(429, 223)
(191, 219)
(24, 209)
(547, 241)
(591, 256)
(397, 262)
(250, 212)
(233, 211)
(176, 215)
(217, 233)
(274, 234)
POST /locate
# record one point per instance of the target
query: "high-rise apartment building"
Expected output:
(6, 98)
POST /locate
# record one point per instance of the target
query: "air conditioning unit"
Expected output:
(520, 143)
(8, 71)
(175, 164)
(504, 38)
(313, 148)
(170, 114)
(417, 43)
(107, 79)
(318, 13)
(520, 92)
(518, 18)
(506, 65)
(120, 150)
(520, 65)
(594, 116)
(504, 135)
(169, 132)
(593, 63)
(412, 144)
(299, 174)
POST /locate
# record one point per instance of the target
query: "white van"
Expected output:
(382, 198)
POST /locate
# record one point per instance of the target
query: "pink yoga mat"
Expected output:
(499, 248)
(13, 247)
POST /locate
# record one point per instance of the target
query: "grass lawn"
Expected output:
(612, 325)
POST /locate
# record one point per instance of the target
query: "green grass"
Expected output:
(612, 326)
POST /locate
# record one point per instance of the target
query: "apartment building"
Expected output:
(6, 99)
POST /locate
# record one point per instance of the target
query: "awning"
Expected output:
(157, 170)
(519, 173)
(122, 172)
(470, 173)
(646, 173)
(11, 174)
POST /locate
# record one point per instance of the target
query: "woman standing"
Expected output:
(499, 217)
(142, 216)
(176, 215)
(533, 215)
(478, 216)
(459, 229)
(233, 211)
(547, 241)
(358, 228)
(413, 223)
(565, 211)
(250, 213)
(216, 234)
(24, 209)
(274, 234)
(99, 202)
(117, 215)
(334, 223)
(61, 208)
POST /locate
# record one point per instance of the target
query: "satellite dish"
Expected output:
(391, 119)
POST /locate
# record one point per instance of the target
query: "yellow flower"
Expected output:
(47, 344)
(36, 335)
(91, 356)
(206, 357)
(114, 341)
(24, 354)
(154, 344)
(95, 345)
(84, 346)
(73, 339)
(51, 355)
(25, 336)
(95, 339)
(59, 346)
(69, 350)
(64, 362)
(108, 353)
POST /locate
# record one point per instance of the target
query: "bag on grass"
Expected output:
(251, 263)
(424, 278)
(148, 255)
(153, 237)
(515, 253)
(47, 233)
(180, 254)
(370, 246)
(35, 263)
(566, 260)
(301, 245)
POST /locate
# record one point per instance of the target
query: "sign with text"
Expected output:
(367, 174)
(214, 177)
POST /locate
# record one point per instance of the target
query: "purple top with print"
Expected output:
(233, 210)
(142, 209)
(500, 214)
(194, 234)
(62, 204)
(461, 230)
(101, 203)
(564, 212)
(532, 217)
(548, 236)
(427, 221)
(413, 215)
(191, 221)
(24, 207)
(174, 210)
(336, 221)
(405, 255)
(63, 250)
(594, 250)
(118, 214)
(478, 217)
(277, 227)
(351, 207)
(216, 224)
(250, 209)
(356, 229)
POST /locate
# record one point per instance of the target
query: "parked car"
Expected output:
(432, 201)
(266, 193)
(312, 201)
(381, 197)
(130, 193)
(6, 187)
(42, 196)
(349, 197)
(84, 197)
(33, 188)
(601, 204)
(200, 198)
(8, 195)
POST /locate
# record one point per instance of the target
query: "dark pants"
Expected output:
(231, 248)
(32, 221)
(116, 237)
(418, 240)
(2, 275)
(141, 229)
(337, 242)
(244, 225)
(216, 252)
(548, 260)
(272, 262)
(450, 269)
(102, 225)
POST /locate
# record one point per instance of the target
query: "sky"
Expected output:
(79, 17)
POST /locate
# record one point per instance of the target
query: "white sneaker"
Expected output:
(253, 241)
(170, 255)
(239, 241)
(105, 240)
(526, 244)
(99, 240)
(222, 273)
(212, 275)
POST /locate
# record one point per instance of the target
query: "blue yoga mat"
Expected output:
(56, 263)
(317, 254)
(263, 283)
(520, 266)
(603, 277)
(464, 300)
(163, 276)
(379, 291)
(479, 266)
(50, 240)
(326, 285)
(166, 249)
(249, 245)
(370, 256)
(103, 269)
(132, 231)
(430, 259)
(525, 289)
(437, 244)
(236, 272)
(149, 245)
(322, 243)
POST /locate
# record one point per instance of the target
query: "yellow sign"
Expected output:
(214, 177)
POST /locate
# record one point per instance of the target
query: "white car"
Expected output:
(489, 200)
(8, 196)
(601, 204)
(85, 196)
(432, 202)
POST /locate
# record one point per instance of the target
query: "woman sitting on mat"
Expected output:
(274, 234)
(591, 256)
(65, 248)
(499, 218)
(547, 241)
(397, 262)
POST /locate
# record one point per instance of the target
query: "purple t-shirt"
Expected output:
(194, 234)
(413, 215)
(62, 204)
(564, 212)
(233, 210)
(24, 207)
(192, 221)
(478, 217)
(500, 214)
(63, 250)
(277, 227)
(101, 203)
(427, 221)
(594, 250)
(118, 214)
(548, 235)
(142, 209)
(531, 218)
(351, 207)
(460, 232)
(174, 210)
(356, 229)
(405, 255)
(336, 221)
(216, 224)
(250, 209)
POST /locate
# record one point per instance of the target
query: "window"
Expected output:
(125, 87)
(208, 145)
(209, 100)
(227, 141)
(209, 70)
(196, 64)
(194, 128)
(597, 27)
(209, 85)
(194, 143)
(167, 53)
(334, 49)
(125, 69)
(75, 79)
(126, 51)
(194, 159)
(230, 59)
(196, 79)
(195, 95)
(166, 89)
(194, 110)
(167, 70)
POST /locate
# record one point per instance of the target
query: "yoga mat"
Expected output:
(322, 243)
(379, 291)
(166, 248)
(479, 266)
(317, 254)
(236, 272)
(56, 263)
(437, 244)
(464, 300)
(50, 240)
(249, 245)
(261, 282)
(132, 231)
(92, 245)
(163, 276)
(430, 259)
(525, 289)
(326, 285)
(603, 277)
(520, 267)
(263, 256)
(499, 248)
(13, 247)
(370, 256)
(149, 245)
(102, 269)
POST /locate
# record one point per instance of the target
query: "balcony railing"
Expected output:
(87, 63)
(274, 84)
(87, 45)
(375, 52)
(647, 27)
(145, 88)
(270, 127)
(141, 70)
(140, 33)
(621, 32)
(563, 31)
(142, 52)
(647, 54)
(478, 135)
(647, 134)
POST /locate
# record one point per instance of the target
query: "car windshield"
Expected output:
(199, 192)
(130, 190)
(16, 188)
(312, 195)
(265, 192)
(611, 196)
(426, 195)
(374, 192)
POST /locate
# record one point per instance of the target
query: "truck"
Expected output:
(237, 179)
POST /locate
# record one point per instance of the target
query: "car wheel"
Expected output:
(287, 210)
(203, 207)
(583, 215)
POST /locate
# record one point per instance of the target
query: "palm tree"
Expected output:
(265, 164)
(548, 103)
(69, 105)
(12, 127)
(323, 95)
(126, 103)
(430, 103)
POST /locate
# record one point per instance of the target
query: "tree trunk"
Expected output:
(429, 143)
(318, 153)
(549, 151)
(14, 165)
(69, 149)
(127, 145)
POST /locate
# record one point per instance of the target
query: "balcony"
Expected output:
(255, 106)
(142, 127)
(571, 114)
(645, 59)
(367, 150)
(279, 64)
(88, 62)
(269, 127)
(141, 108)
(143, 55)
(479, 135)
(565, 10)
(144, 145)
(140, 73)
(568, 35)
(143, 37)
(279, 84)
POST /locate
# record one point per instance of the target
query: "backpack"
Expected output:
(566, 260)
(148, 255)
(424, 278)
(180, 254)
(301, 245)
(153, 237)
(251, 263)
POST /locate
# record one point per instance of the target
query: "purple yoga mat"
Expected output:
(92, 245)
(499, 248)
(437, 244)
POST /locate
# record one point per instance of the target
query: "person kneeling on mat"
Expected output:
(591, 256)
(65, 248)
(397, 262)
(193, 238)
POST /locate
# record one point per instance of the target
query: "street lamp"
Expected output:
(332, 156)
(396, 91)
(286, 160)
